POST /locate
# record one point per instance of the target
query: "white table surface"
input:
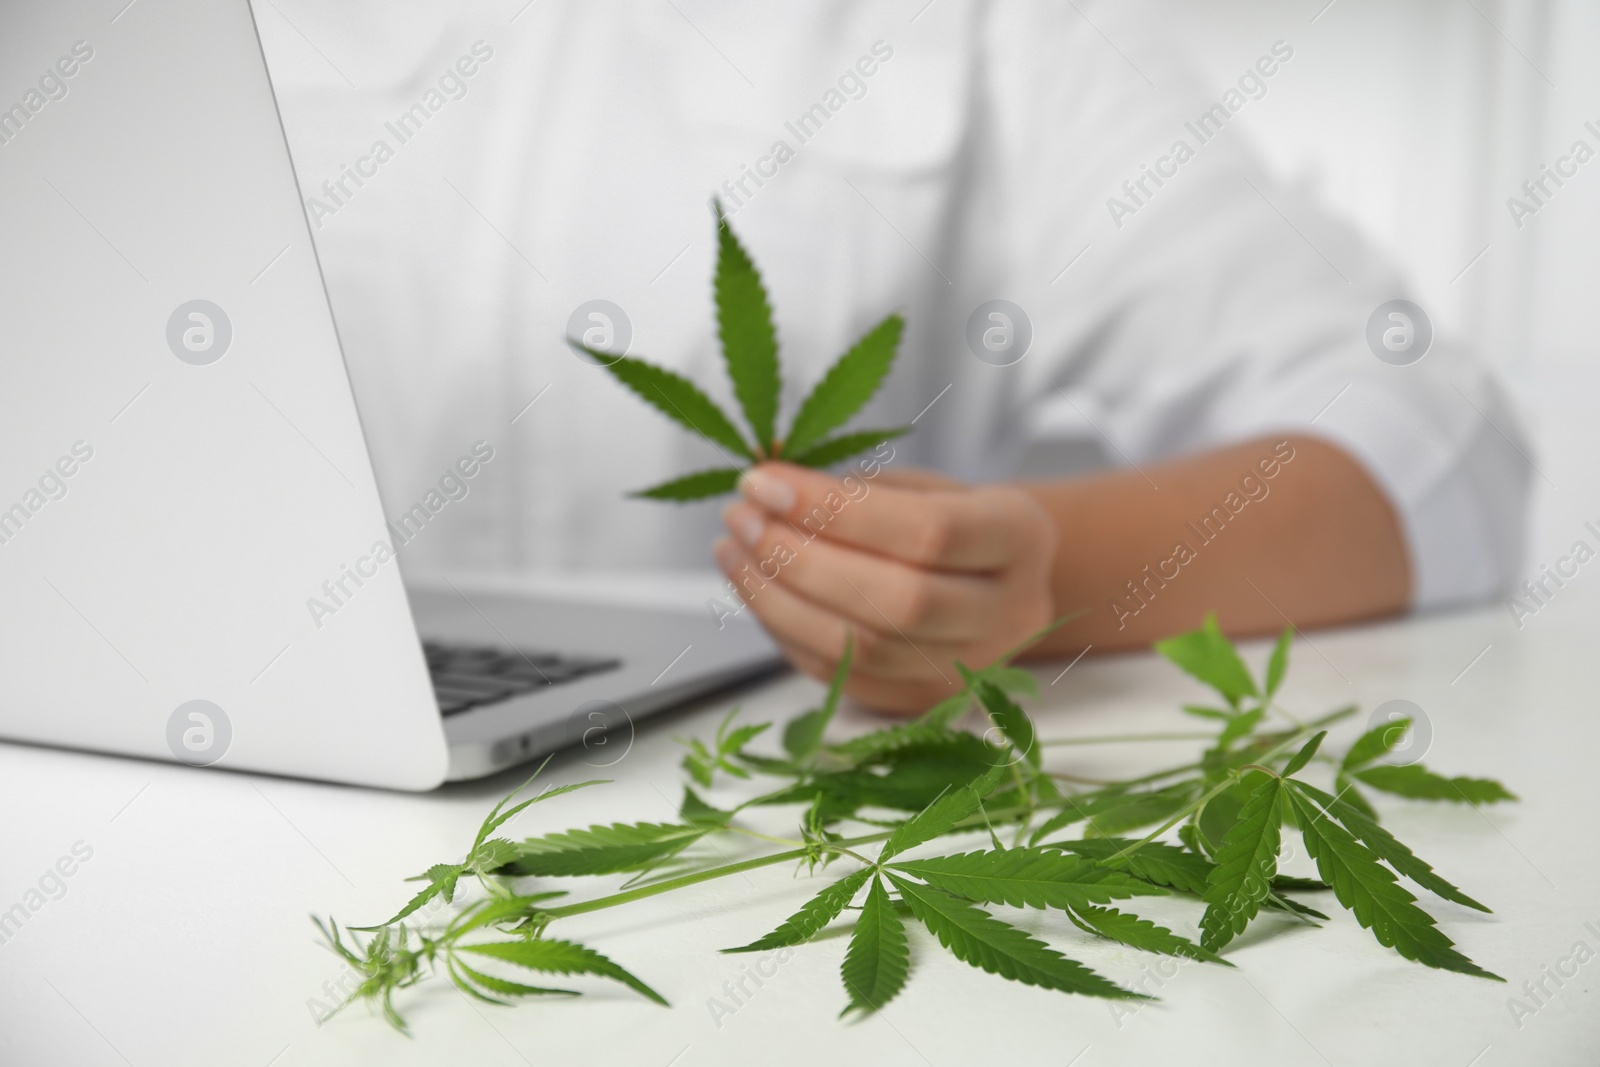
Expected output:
(184, 939)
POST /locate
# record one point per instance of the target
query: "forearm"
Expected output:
(1148, 554)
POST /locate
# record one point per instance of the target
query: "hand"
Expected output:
(923, 571)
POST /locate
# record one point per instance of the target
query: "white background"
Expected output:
(1417, 121)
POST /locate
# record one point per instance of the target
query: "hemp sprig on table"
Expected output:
(750, 353)
(885, 804)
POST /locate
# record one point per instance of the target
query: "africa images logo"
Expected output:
(199, 733)
(199, 332)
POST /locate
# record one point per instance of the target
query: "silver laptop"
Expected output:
(184, 478)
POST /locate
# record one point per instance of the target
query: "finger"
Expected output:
(915, 478)
(882, 593)
(953, 530)
(898, 697)
(792, 620)
(788, 618)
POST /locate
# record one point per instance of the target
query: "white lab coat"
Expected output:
(984, 157)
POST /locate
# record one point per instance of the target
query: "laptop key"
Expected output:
(532, 659)
(550, 675)
(469, 676)
(478, 686)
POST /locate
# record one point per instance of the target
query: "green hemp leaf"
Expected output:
(935, 827)
(750, 354)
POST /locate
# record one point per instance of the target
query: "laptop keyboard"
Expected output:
(469, 676)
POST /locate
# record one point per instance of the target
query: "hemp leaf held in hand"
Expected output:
(750, 352)
(1213, 831)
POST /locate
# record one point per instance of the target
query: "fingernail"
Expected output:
(745, 522)
(774, 494)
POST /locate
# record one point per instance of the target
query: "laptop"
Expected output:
(194, 560)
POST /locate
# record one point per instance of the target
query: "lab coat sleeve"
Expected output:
(1226, 305)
